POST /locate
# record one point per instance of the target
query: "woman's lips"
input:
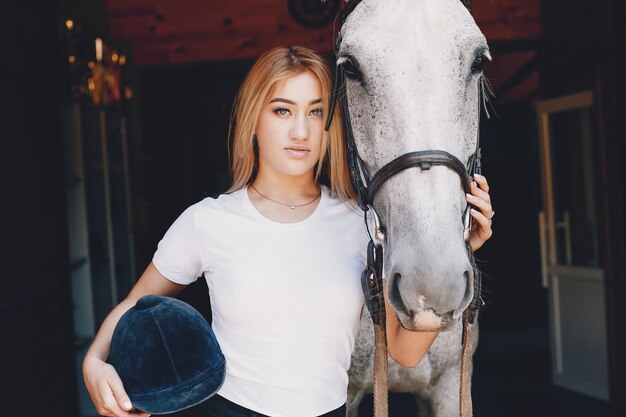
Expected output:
(297, 152)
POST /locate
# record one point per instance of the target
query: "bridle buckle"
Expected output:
(378, 234)
(467, 224)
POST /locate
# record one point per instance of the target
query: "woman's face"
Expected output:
(290, 127)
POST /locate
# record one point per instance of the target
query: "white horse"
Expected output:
(415, 74)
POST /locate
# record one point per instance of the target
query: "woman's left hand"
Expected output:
(479, 197)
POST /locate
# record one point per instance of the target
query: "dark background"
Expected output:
(181, 157)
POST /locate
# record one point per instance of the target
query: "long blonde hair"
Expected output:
(273, 66)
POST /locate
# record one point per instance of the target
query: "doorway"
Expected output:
(569, 230)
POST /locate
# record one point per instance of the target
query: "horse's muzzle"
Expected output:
(416, 313)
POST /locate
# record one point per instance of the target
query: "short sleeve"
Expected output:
(178, 254)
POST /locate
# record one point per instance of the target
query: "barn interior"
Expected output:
(114, 119)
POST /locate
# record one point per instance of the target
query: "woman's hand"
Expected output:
(106, 390)
(103, 383)
(479, 197)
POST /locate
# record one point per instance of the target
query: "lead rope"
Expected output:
(469, 320)
(372, 284)
(465, 390)
(380, 372)
(381, 401)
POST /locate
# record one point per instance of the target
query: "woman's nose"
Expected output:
(300, 128)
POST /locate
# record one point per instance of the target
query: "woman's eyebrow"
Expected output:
(284, 100)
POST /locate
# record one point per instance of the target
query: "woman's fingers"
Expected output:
(122, 406)
(479, 197)
(485, 223)
(481, 233)
(107, 404)
(107, 390)
(117, 388)
(478, 192)
(480, 203)
(482, 182)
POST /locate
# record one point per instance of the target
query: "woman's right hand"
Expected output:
(107, 390)
(103, 383)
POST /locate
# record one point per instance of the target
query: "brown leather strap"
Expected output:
(465, 389)
(423, 160)
(380, 372)
(380, 340)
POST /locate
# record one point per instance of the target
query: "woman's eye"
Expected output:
(316, 112)
(282, 111)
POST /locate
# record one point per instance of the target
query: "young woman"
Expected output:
(281, 253)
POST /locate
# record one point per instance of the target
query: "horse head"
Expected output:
(414, 78)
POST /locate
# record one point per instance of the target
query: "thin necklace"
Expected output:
(291, 206)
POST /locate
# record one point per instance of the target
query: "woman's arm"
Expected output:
(407, 348)
(103, 383)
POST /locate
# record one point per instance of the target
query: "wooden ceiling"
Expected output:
(163, 32)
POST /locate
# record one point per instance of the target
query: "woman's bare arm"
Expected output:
(103, 383)
(407, 348)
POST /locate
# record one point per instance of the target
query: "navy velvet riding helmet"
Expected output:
(166, 355)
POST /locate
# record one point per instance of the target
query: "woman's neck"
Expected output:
(286, 188)
(284, 200)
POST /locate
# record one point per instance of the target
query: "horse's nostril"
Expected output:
(467, 297)
(395, 298)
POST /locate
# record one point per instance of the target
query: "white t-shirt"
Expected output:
(285, 298)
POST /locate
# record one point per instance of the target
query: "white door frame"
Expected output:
(576, 293)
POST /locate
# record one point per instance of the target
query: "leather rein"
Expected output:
(371, 280)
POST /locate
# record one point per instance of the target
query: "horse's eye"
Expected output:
(479, 63)
(351, 69)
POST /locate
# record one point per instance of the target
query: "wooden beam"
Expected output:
(508, 19)
(197, 49)
(527, 89)
(504, 65)
(169, 19)
(519, 76)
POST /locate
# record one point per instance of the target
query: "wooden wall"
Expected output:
(36, 349)
(165, 31)
(183, 31)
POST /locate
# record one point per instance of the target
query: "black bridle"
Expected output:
(367, 186)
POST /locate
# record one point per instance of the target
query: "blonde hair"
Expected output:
(273, 66)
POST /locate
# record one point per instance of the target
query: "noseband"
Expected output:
(366, 187)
